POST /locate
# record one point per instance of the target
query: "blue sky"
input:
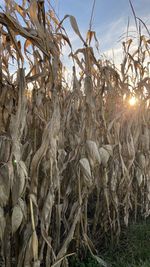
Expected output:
(110, 21)
(110, 16)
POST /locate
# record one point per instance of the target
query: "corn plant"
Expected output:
(74, 159)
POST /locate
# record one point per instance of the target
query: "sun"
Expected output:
(133, 101)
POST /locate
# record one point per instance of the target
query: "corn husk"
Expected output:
(141, 160)
(2, 223)
(86, 171)
(139, 176)
(93, 153)
(104, 155)
(17, 217)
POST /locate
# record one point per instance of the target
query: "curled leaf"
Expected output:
(75, 27)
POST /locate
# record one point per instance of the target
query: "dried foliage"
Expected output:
(74, 163)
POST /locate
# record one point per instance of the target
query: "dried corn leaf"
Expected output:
(69, 237)
(109, 149)
(93, 153)
(2, 223)
(104, 155)
(17, 217)
(75, 27)
(141, 161)
(5, 180)
(35, 246)
(33, 11)
(139, 176)
(86, 171)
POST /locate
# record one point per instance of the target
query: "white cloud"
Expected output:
(115, 33)
(110, 38)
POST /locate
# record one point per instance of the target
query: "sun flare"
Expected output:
(133, 101)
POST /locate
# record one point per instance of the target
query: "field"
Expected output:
(74, 157)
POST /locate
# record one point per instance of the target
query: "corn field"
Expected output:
(74, 158)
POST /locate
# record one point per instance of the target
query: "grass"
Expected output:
(134, 247)
(132, 251)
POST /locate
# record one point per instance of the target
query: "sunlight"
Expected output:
(133, 101)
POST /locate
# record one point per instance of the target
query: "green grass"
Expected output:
(132, 251)
(88, 262)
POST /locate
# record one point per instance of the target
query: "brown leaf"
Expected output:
(17, 217)
(35, 245)
(33, 10)
(2, 223)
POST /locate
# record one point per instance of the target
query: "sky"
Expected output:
(109, 21)
(109, 15)
(110, 18)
